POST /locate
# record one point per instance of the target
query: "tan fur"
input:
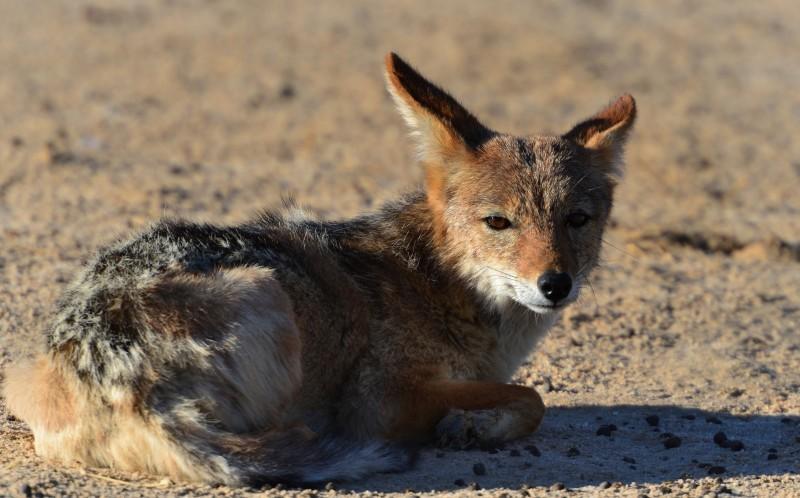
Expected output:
(40, 393)
(264, 361)
(257, 376)
(69, 428)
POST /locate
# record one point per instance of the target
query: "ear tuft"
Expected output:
(438, 121)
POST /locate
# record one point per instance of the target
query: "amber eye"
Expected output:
(497, 222)
(577, 219)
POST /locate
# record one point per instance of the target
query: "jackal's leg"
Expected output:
(468, 413)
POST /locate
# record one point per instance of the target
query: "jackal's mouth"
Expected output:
(544, 309)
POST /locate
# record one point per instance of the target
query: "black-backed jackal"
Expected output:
(292, 349)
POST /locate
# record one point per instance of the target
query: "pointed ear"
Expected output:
(605, 133)
(441, 126)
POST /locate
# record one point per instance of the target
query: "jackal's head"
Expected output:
(520, 217)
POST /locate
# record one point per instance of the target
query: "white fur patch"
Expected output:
(419, 125)
(524, 318)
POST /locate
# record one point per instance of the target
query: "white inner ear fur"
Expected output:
(423, 127)
(609, 145)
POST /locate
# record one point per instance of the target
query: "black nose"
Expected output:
(555, 286)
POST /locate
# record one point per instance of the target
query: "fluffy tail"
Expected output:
(180, 442)
(290, 459)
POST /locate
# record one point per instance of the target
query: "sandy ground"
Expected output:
(113, 114)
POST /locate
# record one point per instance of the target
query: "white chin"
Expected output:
(543, 310)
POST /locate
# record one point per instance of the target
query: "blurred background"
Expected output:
(214, 108)
(115, 113)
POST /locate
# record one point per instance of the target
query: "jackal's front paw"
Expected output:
(464, 430)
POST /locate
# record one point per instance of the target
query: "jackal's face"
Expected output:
(521, 217)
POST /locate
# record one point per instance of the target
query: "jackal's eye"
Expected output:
(497, 222)
(577, 219)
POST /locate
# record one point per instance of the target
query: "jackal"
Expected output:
(293, 349)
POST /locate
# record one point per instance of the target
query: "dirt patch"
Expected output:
(771, 248)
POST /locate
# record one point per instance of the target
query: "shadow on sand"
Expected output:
(570, 451)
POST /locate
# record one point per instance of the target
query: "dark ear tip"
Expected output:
(394, 62)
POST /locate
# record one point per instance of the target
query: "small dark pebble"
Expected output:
(459, 482)
(786, 420)
(25, 489)
(735, 445)
(177, 169)
(479, 469)
(666, 490)
(772, 450)
(652, 420)
(573, 452)
(606, 430)
(724, 490)
(713, 420)
(474, 486)
(772, 456)
(688, 417)
(628, 460)
(17, 142)
(62, 157)
(716, 470)
(604, 485)
(558, 486)
(287, 91)
(720, 439)
(533, 450)
(514, 453)
(736, 393)
(672, 442)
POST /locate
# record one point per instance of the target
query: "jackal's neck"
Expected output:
(405, 233)
(406, 229)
